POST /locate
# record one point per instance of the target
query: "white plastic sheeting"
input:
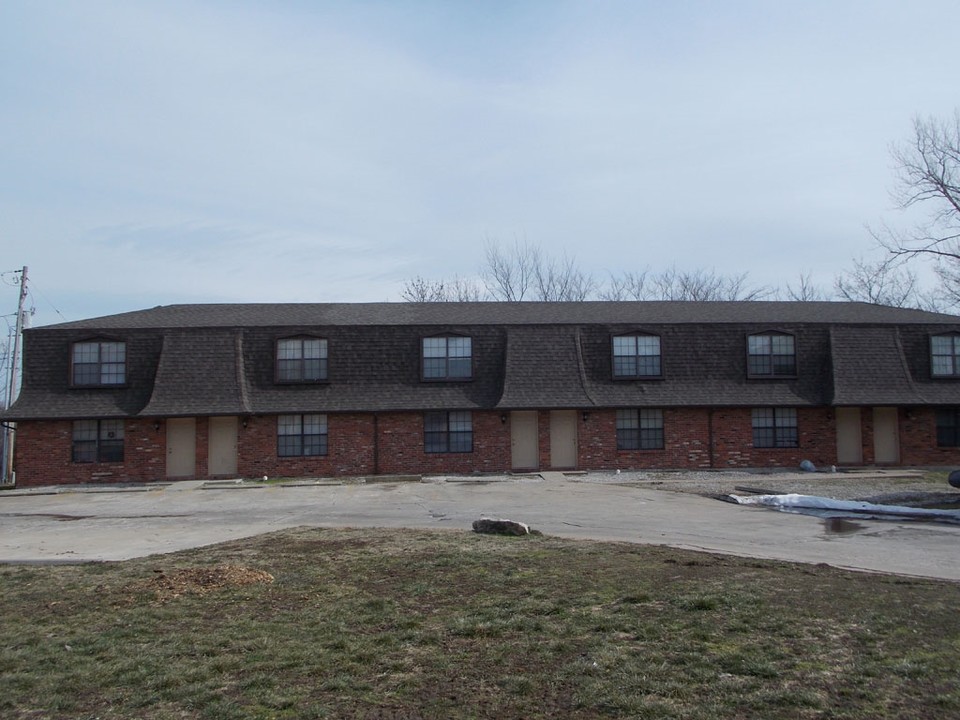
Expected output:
(830, 508)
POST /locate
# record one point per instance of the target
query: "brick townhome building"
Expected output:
(198, 391)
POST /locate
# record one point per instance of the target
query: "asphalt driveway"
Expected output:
(111, 525)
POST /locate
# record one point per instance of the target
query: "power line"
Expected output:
(34, 288)
(7, 280)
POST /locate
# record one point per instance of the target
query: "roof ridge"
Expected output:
(592, 312)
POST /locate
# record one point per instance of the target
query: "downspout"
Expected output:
(710, 437)
(376, 444)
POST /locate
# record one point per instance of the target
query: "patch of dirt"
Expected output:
(170, 585)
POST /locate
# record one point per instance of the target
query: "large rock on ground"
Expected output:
(490, 526)
(954, 479)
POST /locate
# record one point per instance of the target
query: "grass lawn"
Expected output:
(414, 624)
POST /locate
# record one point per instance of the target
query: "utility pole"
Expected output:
(9, 429)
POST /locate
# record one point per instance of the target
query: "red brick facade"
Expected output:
(393, 443)
(44, 455)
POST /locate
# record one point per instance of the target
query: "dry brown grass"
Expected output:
(418, 624)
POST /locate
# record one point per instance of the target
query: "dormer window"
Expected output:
(302, 359)
(945, 355)
(99, 363)
(636, 356)
(447, 358)
(771, 355)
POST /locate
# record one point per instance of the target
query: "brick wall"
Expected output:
(686, 442)
(355, 448)
(689, 435)
(733, 446)
(918, 446)
(401, 446)
(543, 440)
(44, 449)
(351, 449)
(392, 443)
(202, 447)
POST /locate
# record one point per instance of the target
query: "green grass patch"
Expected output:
(416, 624)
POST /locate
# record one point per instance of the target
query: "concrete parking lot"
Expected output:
(116, 525)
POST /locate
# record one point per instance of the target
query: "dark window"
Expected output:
(636, 356)
(301, 435)
(775, 428)
(97, 441)
(99, 363)
(640, 429)
(948, 427)
(448, 432)
(771, 355)
(945, 355)
(301, 360)
(447, 358)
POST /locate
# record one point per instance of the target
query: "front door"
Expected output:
(886, 436)
(181, 447)
(222, 451)
(523, 440)
(563, 439)
(849, 442)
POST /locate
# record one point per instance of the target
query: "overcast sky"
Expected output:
(304, 151)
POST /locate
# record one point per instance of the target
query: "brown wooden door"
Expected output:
(222, 450)
(524, 445)
(849, 439)
(563, 439)
(886, 436)
(181, 447)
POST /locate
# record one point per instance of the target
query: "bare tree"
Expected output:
(929, 179)
(805, 290)
(459, 289)
(524, 272)
(559, 280)
(705, 286)
(509, 274)
(675, 284)
(947, 295)
(419, 289)
(884, 282)
(629, 286)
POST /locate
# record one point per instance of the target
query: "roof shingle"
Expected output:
(503, 313)
(188, 360)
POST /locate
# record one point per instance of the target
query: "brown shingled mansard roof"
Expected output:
(196, 360)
